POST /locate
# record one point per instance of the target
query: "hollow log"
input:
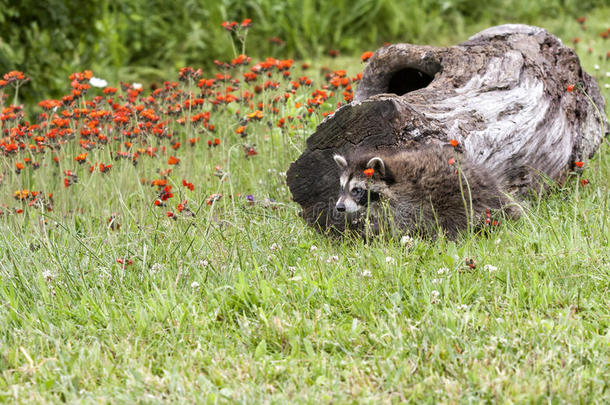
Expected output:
(505, 96)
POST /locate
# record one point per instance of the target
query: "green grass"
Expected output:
(245, 303)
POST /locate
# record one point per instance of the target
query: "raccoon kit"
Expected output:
(417, 191)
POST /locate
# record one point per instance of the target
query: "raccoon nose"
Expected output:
(340, 207)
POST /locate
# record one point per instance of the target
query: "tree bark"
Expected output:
(503, 95)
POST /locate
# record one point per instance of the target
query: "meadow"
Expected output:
(150, 252)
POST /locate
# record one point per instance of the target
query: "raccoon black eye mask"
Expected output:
(356, 192)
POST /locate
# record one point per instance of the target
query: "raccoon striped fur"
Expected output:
(417, 191)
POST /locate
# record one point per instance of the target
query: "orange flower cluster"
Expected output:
(14, 78)
(234, 25)
(366, 56)
(73, 136)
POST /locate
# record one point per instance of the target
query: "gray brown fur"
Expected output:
(421, 191)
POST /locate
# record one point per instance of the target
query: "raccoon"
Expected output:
(417, 191)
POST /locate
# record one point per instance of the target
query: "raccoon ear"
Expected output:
(377, 164)
(341, 162)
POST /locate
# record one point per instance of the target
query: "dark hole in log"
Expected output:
(408, 79)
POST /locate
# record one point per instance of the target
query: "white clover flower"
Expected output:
(203, 263)
(406, 241)
(332, 259)
(275, 246)
(443, 270)
(155, 268)
(48, 275)
(596, 67)
(436, 280)
(366, 273)
(500, 320)
(390, 260)
(195, 285)
(490, 268)
(136, 85)
(463, 307)
(313, 248)
(435, 294)
(97, 82)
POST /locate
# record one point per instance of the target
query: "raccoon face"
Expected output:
(357, 188)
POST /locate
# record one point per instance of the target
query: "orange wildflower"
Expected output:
(366, 56)
(188, 185)
(81, 158)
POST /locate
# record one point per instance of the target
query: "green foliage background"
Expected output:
(146, 39)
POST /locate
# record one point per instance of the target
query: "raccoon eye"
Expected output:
(356, 191)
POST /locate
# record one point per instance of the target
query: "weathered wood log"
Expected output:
(505, 95)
